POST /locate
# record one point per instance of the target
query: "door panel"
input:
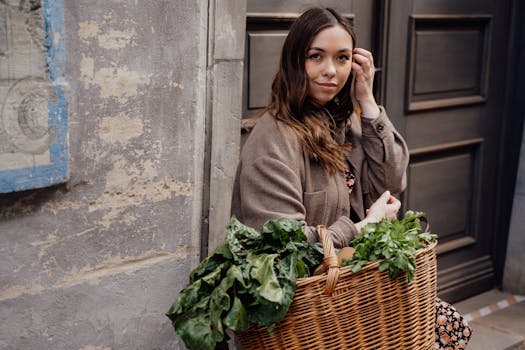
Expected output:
(263, 62)
(442, 129)
(443, 93)
(445, 192)
(448, 57)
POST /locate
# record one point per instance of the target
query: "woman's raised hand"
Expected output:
(364, 70)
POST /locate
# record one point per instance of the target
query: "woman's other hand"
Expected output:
(386, 206)
(364, 70)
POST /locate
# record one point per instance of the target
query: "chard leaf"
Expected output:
(313, 256)
(186, 299)
(192, 322)
(222, 251)
(198, 324)
(205, 267)
(221, 255)
(237, 317)
(267, 313)
(235, 274)
(214, 277)
(219, 302)
(283, 231)
(262, 271)
(301, 268)
(241, 239)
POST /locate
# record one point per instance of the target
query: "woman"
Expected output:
(309, 157)
(324, 152)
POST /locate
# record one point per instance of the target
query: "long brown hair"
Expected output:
(290, 102)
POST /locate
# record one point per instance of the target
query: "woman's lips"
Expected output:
(327, 85)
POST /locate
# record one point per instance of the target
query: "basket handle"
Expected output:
(330, 259)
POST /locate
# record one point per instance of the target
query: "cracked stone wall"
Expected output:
(95, 264)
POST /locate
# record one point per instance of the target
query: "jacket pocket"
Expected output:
(315, 206)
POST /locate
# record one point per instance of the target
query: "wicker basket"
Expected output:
(364, 310)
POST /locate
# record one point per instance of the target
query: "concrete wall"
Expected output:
(95, 264)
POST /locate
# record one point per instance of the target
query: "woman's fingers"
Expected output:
(385, 206)
(393, 207)
(364, 70)
(385, 196)
(363, 52)
(364, 59)
(393, 200)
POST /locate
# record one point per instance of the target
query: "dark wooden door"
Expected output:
(441, 75)
(445, 92)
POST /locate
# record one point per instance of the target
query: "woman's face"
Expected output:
(328, 63)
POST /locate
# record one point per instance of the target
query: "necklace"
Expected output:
(333, 124)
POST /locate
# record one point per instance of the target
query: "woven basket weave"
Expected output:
(364, 310)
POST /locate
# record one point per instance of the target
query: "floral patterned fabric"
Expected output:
(452, 331)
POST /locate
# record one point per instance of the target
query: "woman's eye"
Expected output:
(343, 58)
(314, 56)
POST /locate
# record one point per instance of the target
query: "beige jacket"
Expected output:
(276, 180)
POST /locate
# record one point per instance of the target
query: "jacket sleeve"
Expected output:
(386, 158)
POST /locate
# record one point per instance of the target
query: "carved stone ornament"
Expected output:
(25, 117)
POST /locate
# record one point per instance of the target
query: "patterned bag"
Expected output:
(452, 331)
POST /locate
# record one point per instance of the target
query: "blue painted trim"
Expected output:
(58, 170)
(56, 63)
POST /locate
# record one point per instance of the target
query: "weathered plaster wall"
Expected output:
(95, 264)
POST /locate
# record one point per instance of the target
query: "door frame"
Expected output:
(224, 91)
(512, 133)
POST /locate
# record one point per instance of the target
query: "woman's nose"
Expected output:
(329, 68)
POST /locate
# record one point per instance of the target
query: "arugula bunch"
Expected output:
(394, 242)
(250, 278)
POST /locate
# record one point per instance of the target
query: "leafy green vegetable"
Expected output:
(395, 242)
(250, 278)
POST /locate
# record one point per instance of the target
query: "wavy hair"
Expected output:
(290, 102)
